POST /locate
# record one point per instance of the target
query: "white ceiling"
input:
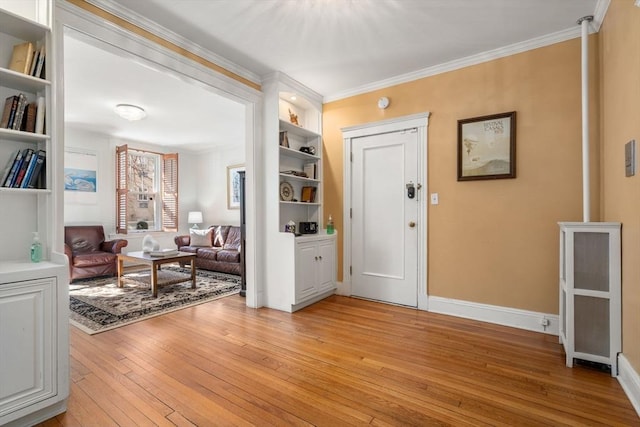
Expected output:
(179, 114)
(335, 47)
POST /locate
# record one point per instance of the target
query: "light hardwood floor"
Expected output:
(342, 361)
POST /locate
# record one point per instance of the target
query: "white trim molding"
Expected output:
(148, 25)
(627, 376)
(490, 55)
(513, 317)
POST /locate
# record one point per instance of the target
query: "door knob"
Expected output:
(412, 224)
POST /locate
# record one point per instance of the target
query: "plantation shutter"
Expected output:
(122, 167)
(170, 192)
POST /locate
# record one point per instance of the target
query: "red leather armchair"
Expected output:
(89, 254)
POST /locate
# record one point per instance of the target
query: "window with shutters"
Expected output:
(146, 191)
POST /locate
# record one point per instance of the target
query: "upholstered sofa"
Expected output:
(217, 248)
(88, 252)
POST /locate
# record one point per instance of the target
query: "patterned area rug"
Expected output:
(98, 305)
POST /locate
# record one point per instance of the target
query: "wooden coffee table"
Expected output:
(155, 262)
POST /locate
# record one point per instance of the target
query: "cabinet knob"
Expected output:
(320, 257)
(316, 258)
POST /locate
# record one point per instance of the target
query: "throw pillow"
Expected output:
(200, 237)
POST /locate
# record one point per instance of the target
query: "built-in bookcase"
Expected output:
(34, 329)
(301, 268)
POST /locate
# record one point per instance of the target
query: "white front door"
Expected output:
(384, 220)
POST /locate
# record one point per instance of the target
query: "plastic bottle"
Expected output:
(36, 248)
(330, 225)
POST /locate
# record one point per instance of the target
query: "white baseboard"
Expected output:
(523, 319)
(630, 381)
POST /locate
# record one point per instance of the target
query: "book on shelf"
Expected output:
(10, 106)
(37, 178)
(40, 111)
(25, 170)
(310, 170)
(17, 120)
(163, 253)
(29, 170)
(24, 164)
(14, 170)
(29, 122)
(21, 57)
(38, 69)
(7, 169)
(34, 62)
(284, 139)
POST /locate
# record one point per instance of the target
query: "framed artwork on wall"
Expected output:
(233, 186)
(80, 176)
(487, 147)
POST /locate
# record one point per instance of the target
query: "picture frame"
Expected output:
(487, 147)
(308, 194)
(233, 186)
(284, 139)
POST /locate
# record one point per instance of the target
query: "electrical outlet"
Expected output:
(544, 322)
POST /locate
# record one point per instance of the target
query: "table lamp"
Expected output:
(195, 218)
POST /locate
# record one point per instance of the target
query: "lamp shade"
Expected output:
(195, 217)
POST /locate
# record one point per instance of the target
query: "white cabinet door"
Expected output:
(326, 265)
(27, 356)
(306, 260)
(315, 268)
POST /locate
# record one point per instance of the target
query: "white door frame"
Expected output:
(421, 123)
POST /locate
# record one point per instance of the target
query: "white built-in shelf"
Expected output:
(21, 28)
(22, 82)
(298, 130)
(299, 178)
(18, 135)
(298, 154)
(25, 190)
(300, 203)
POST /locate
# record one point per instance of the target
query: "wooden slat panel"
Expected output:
(122, 166)
(170, 192)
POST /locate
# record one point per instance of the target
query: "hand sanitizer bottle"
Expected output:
(330, 225)
(36, 248)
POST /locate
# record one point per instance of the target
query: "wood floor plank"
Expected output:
(342, 361)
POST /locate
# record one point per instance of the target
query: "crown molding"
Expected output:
(637, 3)
(457, 64)
(601, 10)
(535, 43)
(173, 38)
(296, 86)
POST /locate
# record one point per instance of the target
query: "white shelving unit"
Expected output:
(34, 335)
(590, 281)
(300, 269)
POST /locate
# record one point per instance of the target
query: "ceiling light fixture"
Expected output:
(130, 112)
(293, 97)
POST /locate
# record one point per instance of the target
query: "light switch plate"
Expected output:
(434, 198)
(630, 158)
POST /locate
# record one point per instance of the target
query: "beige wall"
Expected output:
(620, 86)
(492, 242)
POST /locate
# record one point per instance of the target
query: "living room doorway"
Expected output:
(82, 26)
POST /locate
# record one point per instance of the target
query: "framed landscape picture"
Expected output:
(487, 147)
(233, 186)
